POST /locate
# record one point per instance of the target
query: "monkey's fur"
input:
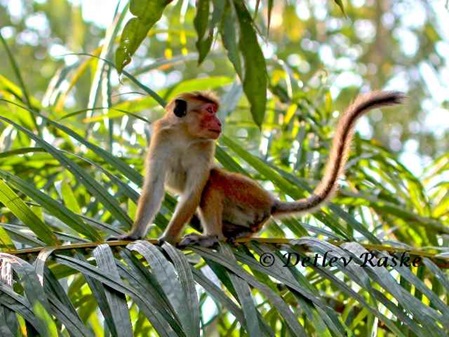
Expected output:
(229, 205)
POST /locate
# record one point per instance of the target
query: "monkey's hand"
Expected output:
(125, 237)
(206, 241)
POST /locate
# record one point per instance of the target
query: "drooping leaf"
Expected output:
(341, 6)
(147, 13)
(255, 74)
(229, 36)
(201, 23)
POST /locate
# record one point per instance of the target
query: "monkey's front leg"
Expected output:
(149, 202)
(211, 210)
(184, 211)
(190, 199)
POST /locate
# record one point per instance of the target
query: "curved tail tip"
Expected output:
(394, 97)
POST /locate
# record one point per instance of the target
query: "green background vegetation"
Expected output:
(73, 134)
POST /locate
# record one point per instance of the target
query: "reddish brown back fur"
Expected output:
(242, 190)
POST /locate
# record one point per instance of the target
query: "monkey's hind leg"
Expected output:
(207, 241)
(124, 237)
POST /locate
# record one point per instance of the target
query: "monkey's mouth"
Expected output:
(215, 131)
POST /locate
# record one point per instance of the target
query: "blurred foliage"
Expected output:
(73, 135)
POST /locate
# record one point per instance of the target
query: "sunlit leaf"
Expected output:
(15, 204)
(147, 13)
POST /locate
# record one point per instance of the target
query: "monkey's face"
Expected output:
(206, 125)
(199, 117)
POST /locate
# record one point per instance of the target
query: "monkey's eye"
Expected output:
(210, 110)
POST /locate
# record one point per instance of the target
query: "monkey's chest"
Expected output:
(176, 179)
(177, 168)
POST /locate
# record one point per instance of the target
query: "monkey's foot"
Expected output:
(166, 238)
(124, 237)
(206, 241)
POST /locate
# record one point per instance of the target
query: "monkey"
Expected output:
(179, 157)
(229, 205)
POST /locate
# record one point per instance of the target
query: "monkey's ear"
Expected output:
(180, 109)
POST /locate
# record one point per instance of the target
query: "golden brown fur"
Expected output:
(229, 205)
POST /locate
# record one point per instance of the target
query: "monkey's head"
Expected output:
(197, 113)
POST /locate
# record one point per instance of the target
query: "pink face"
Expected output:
(210, 125)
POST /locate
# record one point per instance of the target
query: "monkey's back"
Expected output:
(240, 189)
(245, 205)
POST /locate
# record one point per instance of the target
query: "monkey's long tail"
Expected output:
(339, 152)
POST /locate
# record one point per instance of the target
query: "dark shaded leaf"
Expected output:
(255, 73)
(201, 23)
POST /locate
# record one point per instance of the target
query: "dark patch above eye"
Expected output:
(180, 109)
